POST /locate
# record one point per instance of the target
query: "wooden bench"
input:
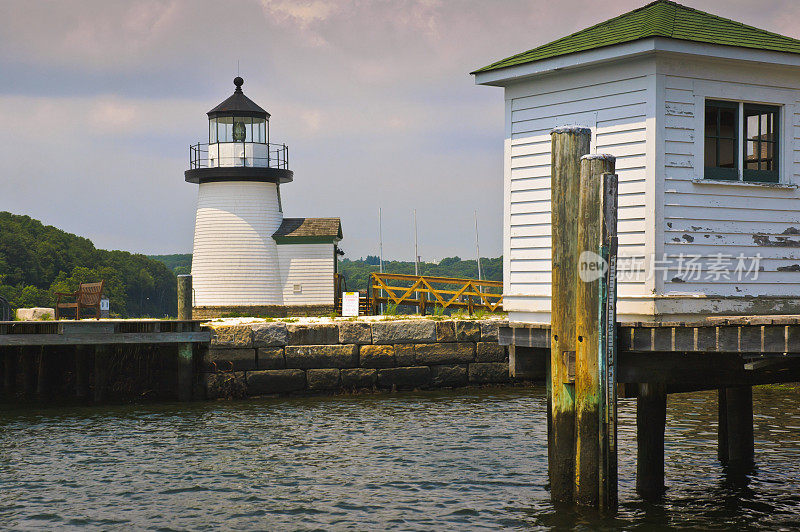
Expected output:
(86, 297)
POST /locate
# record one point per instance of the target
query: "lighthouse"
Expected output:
(247, 257)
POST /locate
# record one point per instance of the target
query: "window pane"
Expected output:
(711, 121)
(750, 155)
(728, 123)
(768, 148)
(225, 129)
(727, 153)
(212, 131)
(711, 152)
(249, 123)
(262, 131)
(751, 127)
(761, 145)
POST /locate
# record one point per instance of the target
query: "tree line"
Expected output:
(37, 260)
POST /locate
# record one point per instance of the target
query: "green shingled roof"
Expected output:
(661, 18)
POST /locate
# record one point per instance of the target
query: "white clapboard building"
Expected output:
(248, 258)
(702, 114)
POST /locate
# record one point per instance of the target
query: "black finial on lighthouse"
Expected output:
(238, 81)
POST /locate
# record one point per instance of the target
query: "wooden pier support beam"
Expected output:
(568, 145)
(594, 233)
(10, 371)
(651, 418)
(82, 360)
(185, 371)
(44, 370)
(740, 427)
(29, 360)
(102, 360)
(722, 425)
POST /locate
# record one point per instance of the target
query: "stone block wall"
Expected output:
(346, 356)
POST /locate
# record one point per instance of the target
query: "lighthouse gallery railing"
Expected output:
(241, 154)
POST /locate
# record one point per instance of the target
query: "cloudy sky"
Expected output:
(100, 99)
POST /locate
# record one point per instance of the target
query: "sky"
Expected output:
(100, 100)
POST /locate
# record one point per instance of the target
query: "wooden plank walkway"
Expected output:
(93, 332)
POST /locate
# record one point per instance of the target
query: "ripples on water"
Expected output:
(469, 459)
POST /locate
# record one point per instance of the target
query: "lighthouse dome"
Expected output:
(237, 104)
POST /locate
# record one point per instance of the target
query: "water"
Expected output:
(468, 459)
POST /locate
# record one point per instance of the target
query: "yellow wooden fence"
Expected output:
(424, 291)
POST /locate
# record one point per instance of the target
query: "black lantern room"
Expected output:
(238, 119)
(239, 146)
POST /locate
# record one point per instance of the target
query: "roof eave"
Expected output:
(504, 76)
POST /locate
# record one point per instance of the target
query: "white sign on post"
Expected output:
(104, 307)
(349, 303)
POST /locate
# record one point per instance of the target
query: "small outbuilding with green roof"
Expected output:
(703, 116)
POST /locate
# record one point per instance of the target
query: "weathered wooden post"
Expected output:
(185, 350)
(184, 297)
(42, 381)
(10, 370)
(651, 418)
(568, 145)
(596, 238)
(608, 346)
(722, 425)
(30, 370)
(102, 361)
(82, 371)
(740, 427)
(185, 368)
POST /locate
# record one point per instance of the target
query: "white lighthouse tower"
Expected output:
(239, 228)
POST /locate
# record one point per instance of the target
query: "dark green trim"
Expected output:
(722, 174)
(760, 176)
(305, 239)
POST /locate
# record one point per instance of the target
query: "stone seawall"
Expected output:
(346, 356)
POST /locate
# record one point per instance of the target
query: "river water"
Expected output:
(458, 460)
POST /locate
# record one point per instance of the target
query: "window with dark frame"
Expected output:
(761, 143)
(721, 146)
(755, 137)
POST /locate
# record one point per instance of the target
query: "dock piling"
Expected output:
(722, 425)
(568, 145)
(10, 371)
(82, 371)
(42, 380)
(596, 236)
(184, 297)
(651, 418)
(102, 356)
(740, 427)
(30, 370)
(185, 371)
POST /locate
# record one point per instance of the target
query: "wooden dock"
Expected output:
(38, 356)
(729, 355)
(716, 353)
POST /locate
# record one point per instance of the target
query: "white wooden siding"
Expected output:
(235, 259)
(613, 103)
(311, 267)
(706, 220)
